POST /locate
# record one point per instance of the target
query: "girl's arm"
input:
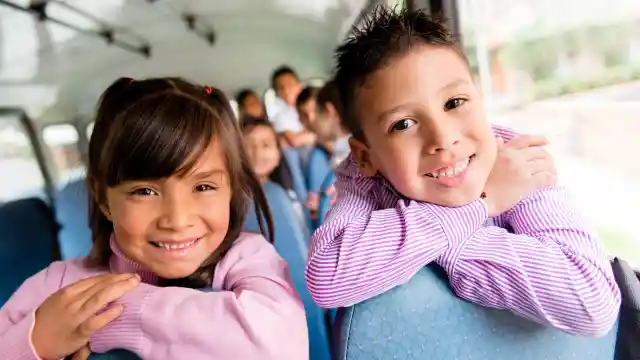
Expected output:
(17, 314)
(551, 269)
(258, 317)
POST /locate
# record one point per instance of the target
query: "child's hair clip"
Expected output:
(208, 90)
(131, 81)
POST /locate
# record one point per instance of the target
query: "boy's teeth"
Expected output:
(170, 246)
(451, 171)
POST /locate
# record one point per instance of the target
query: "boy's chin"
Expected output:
(454, 198)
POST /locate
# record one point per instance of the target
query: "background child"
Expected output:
(169, 183)
(332, 134)
(265, 155)
(249, 104)
(428, 183)
(306, 106)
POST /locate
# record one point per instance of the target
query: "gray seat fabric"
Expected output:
(628, 345)
(423, 320)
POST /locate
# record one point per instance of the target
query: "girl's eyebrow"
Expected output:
(198, 175)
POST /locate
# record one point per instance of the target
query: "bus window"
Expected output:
(21, 174)
(576, 82)
(90, 129)
(62, 141)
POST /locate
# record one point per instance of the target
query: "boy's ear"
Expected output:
(361, 152)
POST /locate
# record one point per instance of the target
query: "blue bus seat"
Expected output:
(292, 246)
(294, 160)
(28, 233)
(115, 355)
(318, 167)
(72, 212)
(423, 319)
(324, 204)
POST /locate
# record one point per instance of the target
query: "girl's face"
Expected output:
(262, 147)
(172, 225)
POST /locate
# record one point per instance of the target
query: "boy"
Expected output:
(428, 181)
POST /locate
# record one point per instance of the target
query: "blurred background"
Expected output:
(568, 69)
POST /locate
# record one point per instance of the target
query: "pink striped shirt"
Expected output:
(539, 259)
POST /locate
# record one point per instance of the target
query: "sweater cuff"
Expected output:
(17, 341)
(125, 332)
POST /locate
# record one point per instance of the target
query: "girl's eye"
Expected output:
(402, 125)
(144, 192)
(204, 187)
(454, 103)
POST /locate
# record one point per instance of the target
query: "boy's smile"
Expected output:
(425, 127)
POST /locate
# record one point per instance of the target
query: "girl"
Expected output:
(428, 182)
(169, 185)
(266, 158)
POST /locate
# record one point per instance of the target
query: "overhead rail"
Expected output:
(38, 8)
(192, 22)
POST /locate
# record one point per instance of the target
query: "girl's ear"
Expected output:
(105, 211)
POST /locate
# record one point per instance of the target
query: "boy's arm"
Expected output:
(552, 269)
(362, 251)
(257, 316)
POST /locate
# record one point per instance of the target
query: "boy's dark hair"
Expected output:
(242, 95)
(281, 175)
(386, 33)
(306, 94)
(282, 70)
(156, 128)
(330, 94)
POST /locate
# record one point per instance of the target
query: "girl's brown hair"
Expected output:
(157, 128)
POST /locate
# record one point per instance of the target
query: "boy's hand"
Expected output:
(522, 166)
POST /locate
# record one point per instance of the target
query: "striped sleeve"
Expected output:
(362, 251)
(551, 269)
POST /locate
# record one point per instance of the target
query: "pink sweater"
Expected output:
(254, 314)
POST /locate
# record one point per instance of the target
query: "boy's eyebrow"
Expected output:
(454, 84)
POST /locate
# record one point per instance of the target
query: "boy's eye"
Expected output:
(454, 103)
(402, 125)
(144, 192)
(204, 187)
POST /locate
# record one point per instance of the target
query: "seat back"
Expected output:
(292, 246)
(28, 233)
(294, 160)
(72, 212)
(318, 167)
(324, 204)
(423, 319)
(115, 355)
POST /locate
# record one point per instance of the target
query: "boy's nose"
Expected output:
(441, 138)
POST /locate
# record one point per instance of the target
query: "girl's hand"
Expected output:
(66, 320)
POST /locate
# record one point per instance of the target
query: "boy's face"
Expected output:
(288, 87)
(425, 126)
(307, 112)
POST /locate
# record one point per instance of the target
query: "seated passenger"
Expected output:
(265, 156)
(249, 104)
(332, 134)
(286, 122)
(429, 182)
(306, 106)
(169, 186)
